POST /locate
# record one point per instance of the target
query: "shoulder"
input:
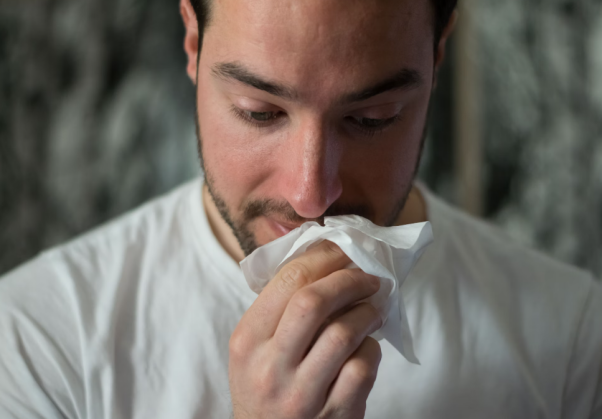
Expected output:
(165, 218)
(98, 256)
(104, 254)
(59, 310)
(533, 297)
(68, 287)
(545, 315)
(486, 250)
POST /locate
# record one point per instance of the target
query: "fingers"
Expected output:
(261, 320)
(270, 369)
(337, 343)
(355, 380)
(310, 307)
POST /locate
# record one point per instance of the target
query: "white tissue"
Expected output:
(386, 252)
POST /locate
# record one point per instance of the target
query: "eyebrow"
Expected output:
(405, 79)
(237, 71)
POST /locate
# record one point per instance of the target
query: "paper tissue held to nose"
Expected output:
(386, 252)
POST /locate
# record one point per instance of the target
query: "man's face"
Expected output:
(312, 108)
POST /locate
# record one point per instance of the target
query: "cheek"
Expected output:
(233, 154)
(381, 171)
(387, 163)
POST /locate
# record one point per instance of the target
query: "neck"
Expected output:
(414, 211)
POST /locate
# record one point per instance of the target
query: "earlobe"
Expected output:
(191, 38)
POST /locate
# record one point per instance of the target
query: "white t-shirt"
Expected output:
(133, 320)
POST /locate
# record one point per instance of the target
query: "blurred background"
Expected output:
(96, 117)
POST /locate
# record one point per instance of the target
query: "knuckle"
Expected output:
(332, 248)
(307, 301)
(358, 278)
(295, 406)
(293, 276)
(266, 382)
(239, 345)
(373, 313)
(353, 276)
(341, 336)
(361, 371)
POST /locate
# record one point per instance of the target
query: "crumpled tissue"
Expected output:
(386, 252)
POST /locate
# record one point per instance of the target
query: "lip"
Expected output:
(281, 228)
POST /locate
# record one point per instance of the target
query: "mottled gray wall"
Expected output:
(542, 72)
(96, 116)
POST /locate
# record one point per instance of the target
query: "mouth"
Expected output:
(281, 228)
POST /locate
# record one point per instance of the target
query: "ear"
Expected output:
(191, 38)
(440, 53)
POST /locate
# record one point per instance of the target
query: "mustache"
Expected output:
(266, 207)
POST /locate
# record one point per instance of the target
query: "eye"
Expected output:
(369, 122)
(262, 116)
(372, 126)
(257, 119)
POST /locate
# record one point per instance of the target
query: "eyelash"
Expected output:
(244, 115)
(369, 131)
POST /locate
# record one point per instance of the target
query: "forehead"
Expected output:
(323, 43)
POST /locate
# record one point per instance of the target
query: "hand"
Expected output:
(302, 349)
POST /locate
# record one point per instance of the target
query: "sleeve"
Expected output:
(39, 352)
(583, 391)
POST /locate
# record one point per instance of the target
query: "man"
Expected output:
(305, 109)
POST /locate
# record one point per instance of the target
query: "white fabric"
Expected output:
(133, 321)
(388, 253)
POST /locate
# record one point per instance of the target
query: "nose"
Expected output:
(310, 176)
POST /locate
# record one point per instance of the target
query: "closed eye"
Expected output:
(372, 126)
(257, 119)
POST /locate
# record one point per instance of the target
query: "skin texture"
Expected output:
(300, 351)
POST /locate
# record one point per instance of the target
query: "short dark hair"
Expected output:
(443, 11)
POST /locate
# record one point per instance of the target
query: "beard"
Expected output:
(253, 209)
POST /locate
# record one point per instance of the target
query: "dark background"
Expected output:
(96, 116)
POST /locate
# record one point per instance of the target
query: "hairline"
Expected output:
(441, 18)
